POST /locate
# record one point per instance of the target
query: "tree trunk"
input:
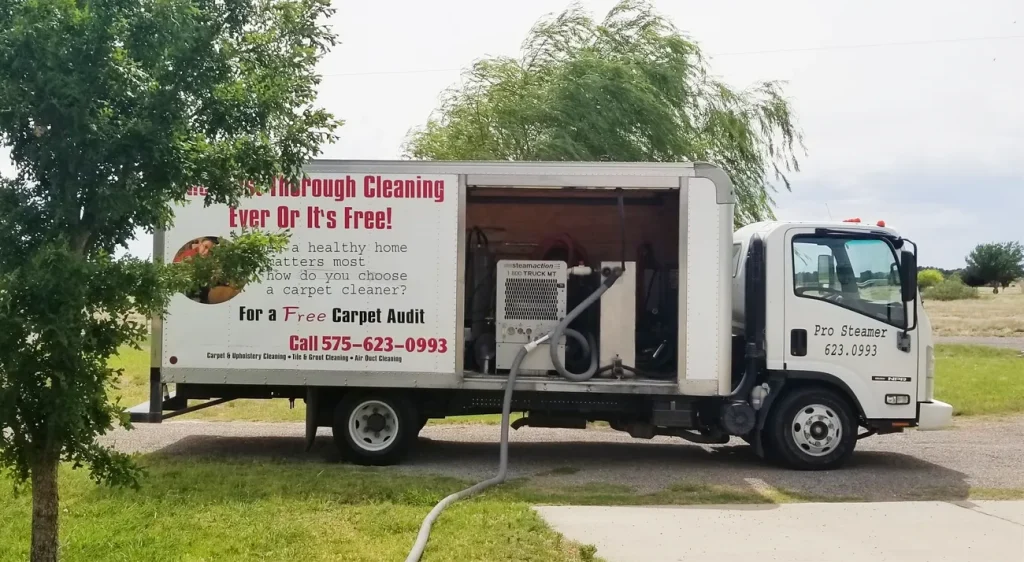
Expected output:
(44, 508)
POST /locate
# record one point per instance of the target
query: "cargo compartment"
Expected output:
(533, 254)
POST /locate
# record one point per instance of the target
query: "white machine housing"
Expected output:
(618, 316)
(531, 302)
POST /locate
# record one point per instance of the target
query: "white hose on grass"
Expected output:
(506, 408)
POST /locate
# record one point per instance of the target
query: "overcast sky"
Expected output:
(913, 111)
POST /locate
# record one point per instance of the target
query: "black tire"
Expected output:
(393, 415)
(800, 425)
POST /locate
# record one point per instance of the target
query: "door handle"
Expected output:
(798, 342)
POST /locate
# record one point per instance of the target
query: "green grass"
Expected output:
(979, 380)
(237, 510)
(199, 509)
(996, 494)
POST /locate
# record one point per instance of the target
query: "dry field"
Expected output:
(991, 315)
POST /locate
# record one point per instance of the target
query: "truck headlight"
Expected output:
(929, 373)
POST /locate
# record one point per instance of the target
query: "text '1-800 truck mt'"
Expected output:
(615, 292)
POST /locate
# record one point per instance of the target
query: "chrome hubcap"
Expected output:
(817, 430)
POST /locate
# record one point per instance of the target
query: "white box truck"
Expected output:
(409, 288)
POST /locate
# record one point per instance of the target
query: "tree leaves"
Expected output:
(628, 88)
(234, 262)
(112, 110)
(995, 264)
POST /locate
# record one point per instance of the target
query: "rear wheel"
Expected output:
(374, 429)
(811, 429)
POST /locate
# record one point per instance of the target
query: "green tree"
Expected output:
(629, 88)
(929, 278)
(111, 110)
(995, 264)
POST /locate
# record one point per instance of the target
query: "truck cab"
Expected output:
(844, 334)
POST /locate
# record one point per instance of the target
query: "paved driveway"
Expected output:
(862, 532)
(986, 454)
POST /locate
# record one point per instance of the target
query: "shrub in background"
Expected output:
(951, 289)
(929, 278)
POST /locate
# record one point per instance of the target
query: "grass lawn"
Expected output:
(990, 315)
(218, 510)
(194, 509)
(979, 380)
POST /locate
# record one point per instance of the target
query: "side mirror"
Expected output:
(826, 269)
(908, 275)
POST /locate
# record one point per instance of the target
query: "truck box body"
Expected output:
(371, 289)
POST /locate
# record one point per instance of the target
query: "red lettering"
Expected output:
(300, 317)
(282, 188)
(249, 218)
(376, 187)
(286, 217)
(303, 343)
(350, 187)
(368, 220)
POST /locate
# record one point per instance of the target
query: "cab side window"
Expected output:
(860, 274)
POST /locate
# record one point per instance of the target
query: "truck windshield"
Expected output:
(859, 274)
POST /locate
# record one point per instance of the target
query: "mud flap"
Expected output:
(312, 411)
(775, 385)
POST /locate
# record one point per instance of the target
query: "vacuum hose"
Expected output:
(563, 326)
(506, 410)
(588, 346)
(506, 407)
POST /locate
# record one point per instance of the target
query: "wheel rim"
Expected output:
(817, 430)
(373, 425)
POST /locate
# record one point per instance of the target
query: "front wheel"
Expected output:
(811, 429)
(374, 429)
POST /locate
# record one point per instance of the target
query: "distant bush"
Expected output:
(951, 289)
(929, 278)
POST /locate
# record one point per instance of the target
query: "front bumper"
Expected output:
(934, 415)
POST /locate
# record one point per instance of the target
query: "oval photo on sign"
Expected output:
(199, 248)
